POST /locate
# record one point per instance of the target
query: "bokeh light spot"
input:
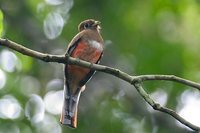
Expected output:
(9, 107)
(53, 25)
(54, 2)
(55, 84)
(53, 101)
(9, 61)
(34, 109)
(49, 125)
(56, 18)
(159, 96)
(189, 107)
(65, 8)
(2, 79)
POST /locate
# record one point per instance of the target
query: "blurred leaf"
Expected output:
(1, 23)
(26, 62)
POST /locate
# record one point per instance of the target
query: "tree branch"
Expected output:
(166, 110)
(29, 52)
(169, 78)
(134, 80)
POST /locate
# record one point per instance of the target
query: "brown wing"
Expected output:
(70, 49)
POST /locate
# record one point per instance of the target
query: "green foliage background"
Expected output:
(142, 37)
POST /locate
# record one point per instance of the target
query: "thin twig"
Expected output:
(166, 110)
(134, 80)
(168, 78)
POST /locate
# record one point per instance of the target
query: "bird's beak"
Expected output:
(97, 24)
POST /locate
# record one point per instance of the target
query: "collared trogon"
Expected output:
(87, 45)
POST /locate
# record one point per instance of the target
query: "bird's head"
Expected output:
(89, 24)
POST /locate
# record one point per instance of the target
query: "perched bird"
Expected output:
(86, 45)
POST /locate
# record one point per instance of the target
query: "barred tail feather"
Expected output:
(70, 108)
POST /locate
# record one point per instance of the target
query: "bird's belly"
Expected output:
(84, 52)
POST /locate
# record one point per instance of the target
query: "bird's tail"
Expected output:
(70, 108)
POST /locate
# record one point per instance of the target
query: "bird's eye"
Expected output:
(86, 26)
